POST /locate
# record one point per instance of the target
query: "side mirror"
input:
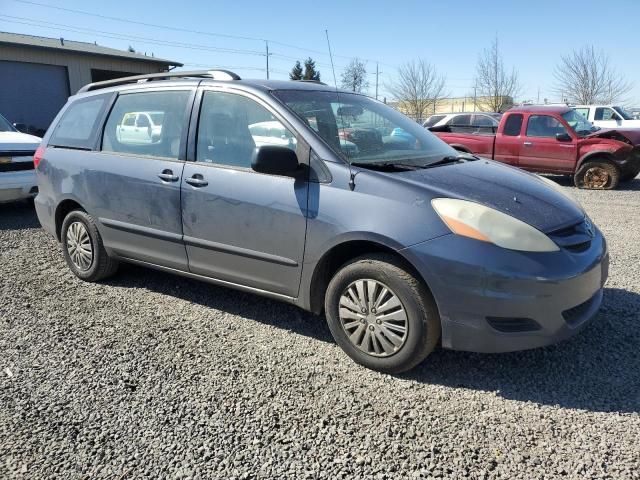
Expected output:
(275, 160)
(563, 137)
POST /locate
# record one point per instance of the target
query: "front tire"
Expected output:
(381, 315)
(83, 249)
(597, 175)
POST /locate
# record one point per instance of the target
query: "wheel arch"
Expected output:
(460, 148)
(62, 210)
(342, 252)
(600, 155)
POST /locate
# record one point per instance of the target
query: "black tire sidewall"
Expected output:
(422, 318)
(80, 216)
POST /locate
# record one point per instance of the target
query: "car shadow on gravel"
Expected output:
(18, 216)
(597, 370)
(227, 300)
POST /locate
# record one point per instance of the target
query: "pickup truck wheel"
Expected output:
(83, 249)
(630, 173)
(381, 315)
(596, 175)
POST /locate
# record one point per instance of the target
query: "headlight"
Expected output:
(473, 220)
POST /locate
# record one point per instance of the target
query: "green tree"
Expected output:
(296, 71)
(310, 72)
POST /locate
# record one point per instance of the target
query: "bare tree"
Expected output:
(354, 77)
(494, 82)
(419, 88)
(585, 76)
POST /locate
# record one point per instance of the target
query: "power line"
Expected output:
(186, 30)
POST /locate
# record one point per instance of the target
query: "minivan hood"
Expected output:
(632, 135)
(507, 189)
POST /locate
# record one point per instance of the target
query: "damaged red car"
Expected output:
(556, 140)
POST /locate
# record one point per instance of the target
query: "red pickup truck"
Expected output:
(556, 140)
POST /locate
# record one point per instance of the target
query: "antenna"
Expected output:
(352, 174)
(335, 82)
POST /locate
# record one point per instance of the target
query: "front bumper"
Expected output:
(18, 185)
(495, 300)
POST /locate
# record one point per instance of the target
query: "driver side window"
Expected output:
(544, 126)
(603, 113)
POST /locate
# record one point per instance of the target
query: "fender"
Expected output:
(607, 154)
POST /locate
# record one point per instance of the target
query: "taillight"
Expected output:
(38, 156)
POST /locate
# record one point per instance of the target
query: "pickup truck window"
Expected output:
(460, 121)
(583, 111)
(606, 113)
(513, 125)
(544, 126)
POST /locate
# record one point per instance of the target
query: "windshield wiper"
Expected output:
(451, 159)
(414, 166)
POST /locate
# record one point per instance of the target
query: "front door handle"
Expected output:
(527, 144)
(168, 176)
(197, 180)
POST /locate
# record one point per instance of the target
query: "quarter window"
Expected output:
(232, 126)
(544, 126)
(78, 126)
(122, 135)
(513, 125)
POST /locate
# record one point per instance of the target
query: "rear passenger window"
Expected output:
(513, 125)
(78, 126)
(142, 137)
(232, 126)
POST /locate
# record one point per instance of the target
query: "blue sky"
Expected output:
(532, 35)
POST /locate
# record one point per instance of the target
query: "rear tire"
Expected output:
(597, 175)
(83, 249)
(374, 296)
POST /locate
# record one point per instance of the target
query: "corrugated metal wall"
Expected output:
(42, 87)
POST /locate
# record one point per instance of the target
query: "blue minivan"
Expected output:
(303, 193)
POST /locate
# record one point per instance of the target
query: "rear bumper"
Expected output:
(18, 185)
(496, 300)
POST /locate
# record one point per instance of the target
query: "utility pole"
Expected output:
(475, 95)
(266, 43)
(538, 102)
(377, 74)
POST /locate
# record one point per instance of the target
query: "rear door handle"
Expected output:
(197, 180)
(527, 144)
(168, 176)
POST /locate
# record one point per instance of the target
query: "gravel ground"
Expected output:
(153, 376)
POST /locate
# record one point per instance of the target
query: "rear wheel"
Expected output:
(381, 315)
(83, 249)
(597, 175)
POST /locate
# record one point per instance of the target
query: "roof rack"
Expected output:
(213, 74)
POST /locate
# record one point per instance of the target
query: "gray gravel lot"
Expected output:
(153, 376)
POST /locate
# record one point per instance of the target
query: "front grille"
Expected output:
(512, 325)
(576, 315)
(575, 238)
(16, 166)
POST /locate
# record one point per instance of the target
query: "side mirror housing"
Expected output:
(563, 137)
(275, 160)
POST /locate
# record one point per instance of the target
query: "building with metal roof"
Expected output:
(38, 74)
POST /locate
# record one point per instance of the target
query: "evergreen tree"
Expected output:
(310, 72)
(296, 72)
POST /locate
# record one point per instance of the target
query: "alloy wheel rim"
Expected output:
(79, 246)
(596, 177)
(373, 317)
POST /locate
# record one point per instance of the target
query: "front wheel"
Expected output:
(597, 175)
(381, 315)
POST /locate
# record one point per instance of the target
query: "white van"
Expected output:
(608, 116)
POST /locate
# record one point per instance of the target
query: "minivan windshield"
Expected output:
(364, 131)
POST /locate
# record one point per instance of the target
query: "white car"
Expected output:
(17, 176)
(607, 116)
(140, 128)
(464, 122)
